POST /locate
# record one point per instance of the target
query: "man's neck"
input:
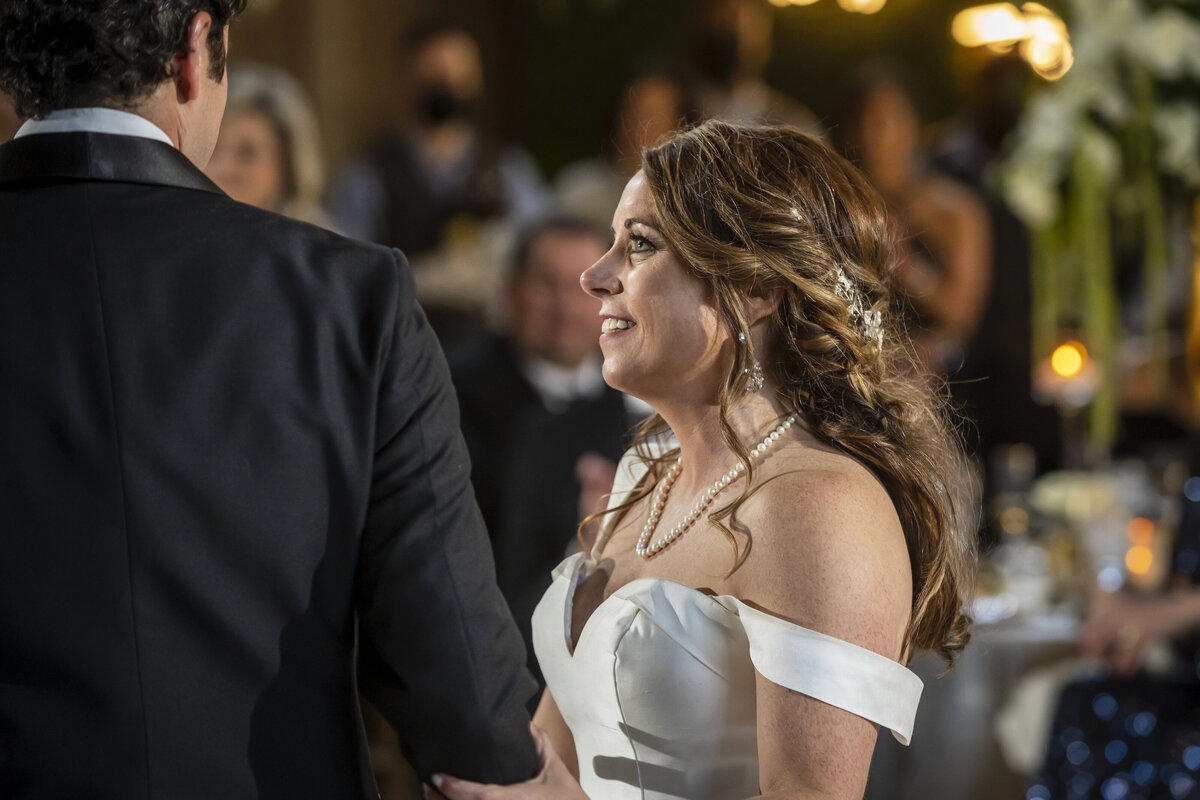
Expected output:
(97, 119)
(162, 114)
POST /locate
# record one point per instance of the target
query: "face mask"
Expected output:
(719, 58)
(438, 105)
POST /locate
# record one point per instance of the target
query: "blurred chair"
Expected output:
(269, 151)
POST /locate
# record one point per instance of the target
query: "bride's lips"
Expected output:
(611, 325)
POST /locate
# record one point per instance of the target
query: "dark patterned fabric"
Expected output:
(1136, 739)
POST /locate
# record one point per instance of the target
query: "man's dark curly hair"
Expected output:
(58, 54)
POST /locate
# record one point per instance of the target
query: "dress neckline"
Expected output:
(574, 565)
(833, 670)
(582, 567)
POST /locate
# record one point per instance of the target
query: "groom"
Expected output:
(231, 479)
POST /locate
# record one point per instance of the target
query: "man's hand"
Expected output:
(1120, 626)
(554, 782)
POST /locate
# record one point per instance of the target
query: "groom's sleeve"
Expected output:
(439, 654)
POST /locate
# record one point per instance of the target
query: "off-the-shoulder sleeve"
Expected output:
(833, 671)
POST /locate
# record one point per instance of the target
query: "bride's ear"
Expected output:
(760, 303)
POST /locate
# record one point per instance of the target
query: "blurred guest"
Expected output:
(1135, 733)
(732, 49)
(269, 151)
(945, 267)
(995, 383)
(535, 405)
(1121, 626)
(9, 121)
(651, 107)
(439, 168)
(440, 187)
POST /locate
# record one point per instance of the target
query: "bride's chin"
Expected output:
(618, 377)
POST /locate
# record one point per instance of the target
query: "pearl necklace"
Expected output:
(646, 548)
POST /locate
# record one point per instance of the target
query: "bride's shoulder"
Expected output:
(804, 489)
(827, 551)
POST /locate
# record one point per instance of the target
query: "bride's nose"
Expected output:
(600, 279)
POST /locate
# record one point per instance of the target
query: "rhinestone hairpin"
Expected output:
(870, 322)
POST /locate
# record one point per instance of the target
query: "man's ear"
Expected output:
(192, 66)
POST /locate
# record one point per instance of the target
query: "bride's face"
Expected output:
(660, 334)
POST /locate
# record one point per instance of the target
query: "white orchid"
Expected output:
(1034, 200)
(1168, 44)
(1178, 128)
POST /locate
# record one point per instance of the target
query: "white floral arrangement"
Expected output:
(1108, 35)
(1104, 143)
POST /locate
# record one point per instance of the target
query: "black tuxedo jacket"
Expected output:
(523, 458)
(231, 464)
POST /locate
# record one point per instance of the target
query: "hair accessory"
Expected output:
(647, 549)
(871, 322)
(796, 215)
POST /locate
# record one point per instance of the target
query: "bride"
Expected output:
(788, 530)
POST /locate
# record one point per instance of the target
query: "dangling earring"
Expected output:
(754, 379)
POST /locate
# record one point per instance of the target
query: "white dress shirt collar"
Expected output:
(94, 120)
(558, 386)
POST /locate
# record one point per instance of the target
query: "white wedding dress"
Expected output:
(659, 690)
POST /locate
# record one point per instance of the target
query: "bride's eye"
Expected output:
(640, 244)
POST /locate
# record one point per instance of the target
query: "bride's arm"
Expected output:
(829, 556)
(548, 718)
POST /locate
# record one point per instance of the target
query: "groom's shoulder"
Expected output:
(255, 235)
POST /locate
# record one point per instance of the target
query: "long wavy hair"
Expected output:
(756, 208)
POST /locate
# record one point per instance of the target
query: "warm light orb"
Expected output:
(1140, 530)
(997, 24)
(1068, 359)
(1139, 559)
(1048, 46)
(1041, 34)
(862, 6)
(1014, 521)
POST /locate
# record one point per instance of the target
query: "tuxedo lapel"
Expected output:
(98, 157)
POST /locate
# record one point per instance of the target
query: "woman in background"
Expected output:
(269, 151)
(944, 253)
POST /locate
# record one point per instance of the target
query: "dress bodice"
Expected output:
(659, 691)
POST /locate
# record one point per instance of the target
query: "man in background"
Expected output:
(542, 425)
(232, 472)
(439, 186)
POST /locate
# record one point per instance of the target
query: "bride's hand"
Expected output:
(554, 782)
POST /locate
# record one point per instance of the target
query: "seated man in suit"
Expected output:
(232, 483)
(541, 424)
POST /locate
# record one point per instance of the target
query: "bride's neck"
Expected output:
(698, 429)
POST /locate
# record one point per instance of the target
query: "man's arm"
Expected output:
(439, 654)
